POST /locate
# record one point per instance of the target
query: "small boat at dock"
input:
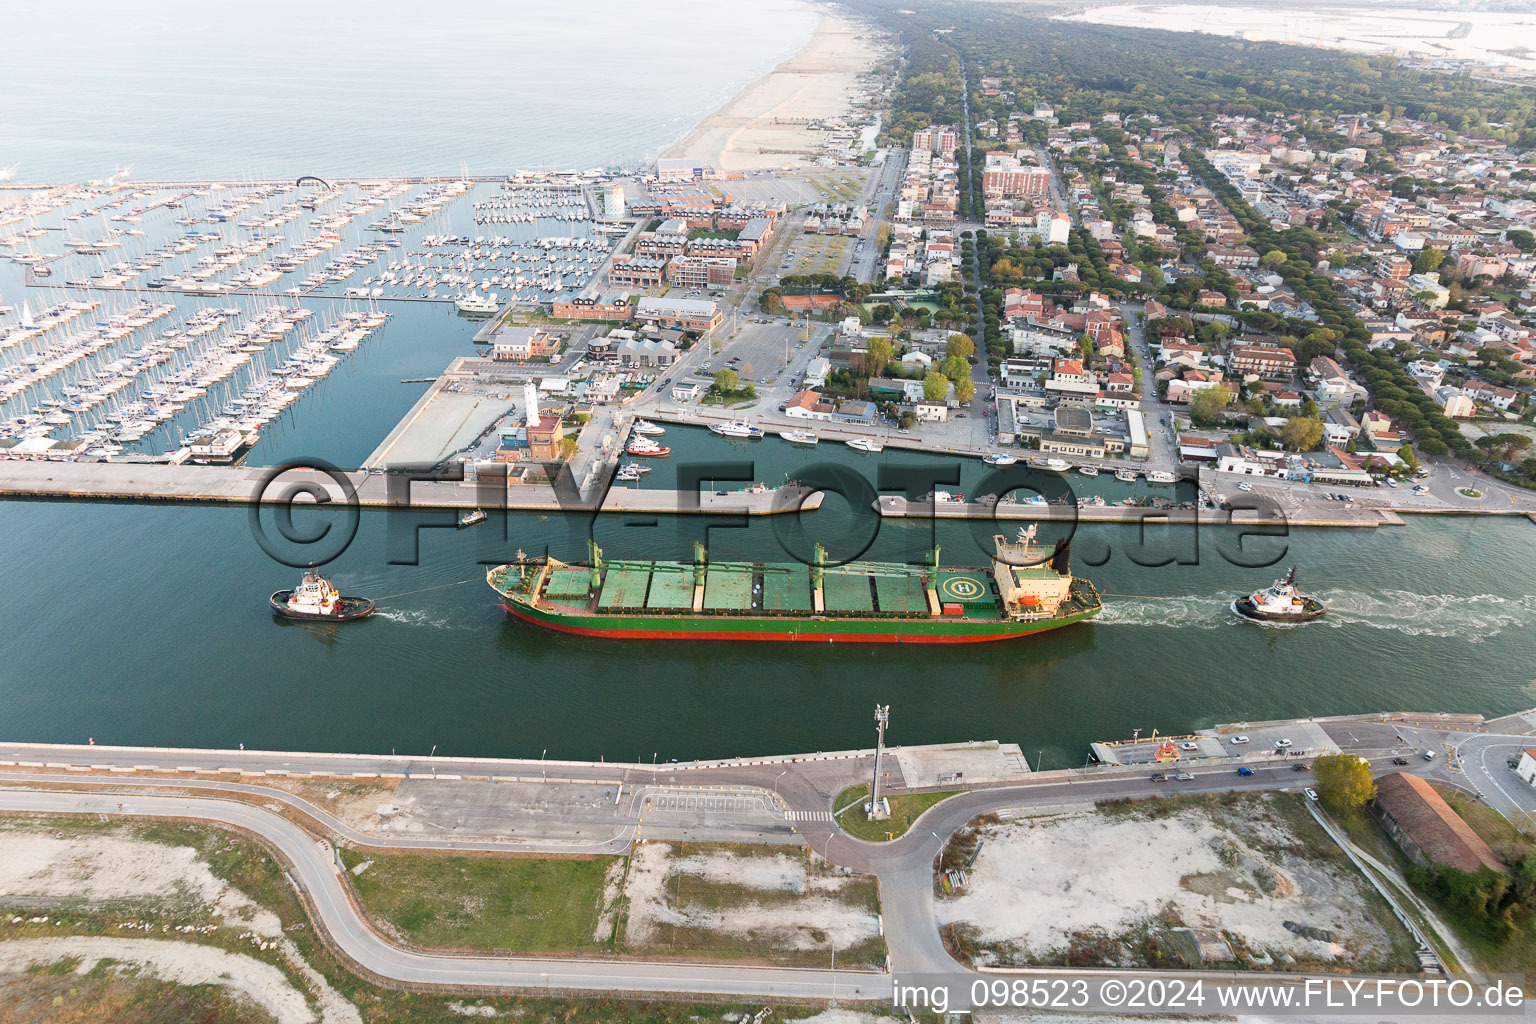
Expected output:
(648, 429)
(866, 444)
(1158, 476)
(1088, 470)
(473, 517)
(1126, 475)
(315, 599)
(802, 437)
(998, 459)
(644, 447)
(737, 428)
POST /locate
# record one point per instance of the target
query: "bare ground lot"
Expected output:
(163, 910)
(781, 905)
(1244, 880)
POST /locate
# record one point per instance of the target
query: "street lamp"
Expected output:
(882, 717)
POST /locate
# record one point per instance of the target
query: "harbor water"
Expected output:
(148, 625)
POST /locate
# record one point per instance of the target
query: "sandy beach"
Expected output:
(756, 130)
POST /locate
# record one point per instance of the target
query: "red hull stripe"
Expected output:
(685, 634)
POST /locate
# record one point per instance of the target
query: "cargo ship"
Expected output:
(1027, 589)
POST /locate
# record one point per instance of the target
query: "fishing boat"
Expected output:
(1088, 470)
(866, 444)
(644, 447)
(648, 429)
(316, 600)
(473, 517)
(1280, 602)
(1158, 476)
(1057, 465)
(631, 472)
(1025, 589)
(737, 428)
(998, 459)
(1126, 475)
(803, 437)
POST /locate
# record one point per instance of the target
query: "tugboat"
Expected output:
(1280, 603)
(316, 600)
(473, 517)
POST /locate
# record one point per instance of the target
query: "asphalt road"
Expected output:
(803, 788)
(314, 870)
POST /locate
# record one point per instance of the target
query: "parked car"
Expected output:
(1189, 745)
(1245, 487)
(1429, 755)
(1239, 739)
(1311, 793)
(1399, 760)
(1245, 770)
(1281, 744)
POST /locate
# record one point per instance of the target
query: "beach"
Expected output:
(765, 125)
(1498, 37)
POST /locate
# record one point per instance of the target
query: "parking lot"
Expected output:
(817, 254)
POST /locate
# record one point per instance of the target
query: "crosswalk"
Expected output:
(808, 815)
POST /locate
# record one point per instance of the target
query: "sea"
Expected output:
(147, 624)
(181, 89)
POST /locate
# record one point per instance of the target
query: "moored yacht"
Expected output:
(736, 428)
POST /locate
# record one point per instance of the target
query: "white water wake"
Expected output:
(1472, 618)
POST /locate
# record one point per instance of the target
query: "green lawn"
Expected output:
(521, 904)
(904, 810)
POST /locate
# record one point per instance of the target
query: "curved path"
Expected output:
(904, 868)
(314, 871)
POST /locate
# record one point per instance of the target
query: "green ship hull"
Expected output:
(861, 602)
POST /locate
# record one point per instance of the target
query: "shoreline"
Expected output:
(817, 83)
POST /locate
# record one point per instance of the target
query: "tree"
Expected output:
(1428, 261)
(955, 368)
(882, 313)
(965, 390)
(935, 387)
(960, 345)
(727, 381)
(1206, 406)
(877, 356)
(1343, 781)
(1274, 258)
(1301, 433)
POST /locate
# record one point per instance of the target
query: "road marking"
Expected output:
(808, 815)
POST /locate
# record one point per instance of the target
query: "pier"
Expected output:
(151, 482)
